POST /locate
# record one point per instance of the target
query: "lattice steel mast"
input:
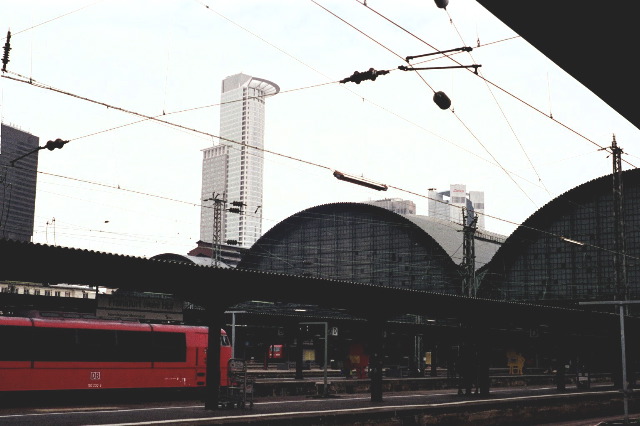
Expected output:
(620, 263)
(218, 206)
(468, 266)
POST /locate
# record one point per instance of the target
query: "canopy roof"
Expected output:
(591, 41)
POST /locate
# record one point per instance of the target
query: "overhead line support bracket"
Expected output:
(406, 68)
(439, 52)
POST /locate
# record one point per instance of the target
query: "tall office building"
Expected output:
(232, 170)
(448, 205)
(396, 205)
(17, 183)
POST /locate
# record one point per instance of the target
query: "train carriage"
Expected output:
(74, 353)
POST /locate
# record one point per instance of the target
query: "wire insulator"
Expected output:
(442, 4)
(7, 48)
(58, 143)
(358, 77)
(442, 100)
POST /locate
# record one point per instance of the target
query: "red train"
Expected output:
(74, 353)
(276, 351)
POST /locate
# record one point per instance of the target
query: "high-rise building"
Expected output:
(448, 205)
(232, 170)
(17, 183)
(396, 205)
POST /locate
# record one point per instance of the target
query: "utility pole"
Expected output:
(620, 263)
(468, 266)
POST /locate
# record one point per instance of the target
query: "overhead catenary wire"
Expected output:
(286, 156)
(187, 128)
(257, 36)
(201, 3)
(502, 111)
(191, 129)
(120, 188)
(433, 90)
(359, 96)
(195, 109)
(316, 216)
(507, 120)
(484, 79)
(493, 95)
(39, 85)
(550, 115)
(449, 56)
(542, 231)
(36, 84)
(494, 159)
(52, 19)
(374, 40)
(359, 30)
(305, 214)
(452, 224)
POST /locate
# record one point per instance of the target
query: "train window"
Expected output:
(169, 347)
(16, 342)
(133, 346)
(67, 344)
(224, 340)
(96, 345)
(55, 344)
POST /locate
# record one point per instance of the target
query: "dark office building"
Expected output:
(365, 243)
(564, 252)
(17, 183)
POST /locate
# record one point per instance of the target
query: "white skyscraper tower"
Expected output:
(232, 171)
(448, 205)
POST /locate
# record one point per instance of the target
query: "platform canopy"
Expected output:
(594, 42)
(221, 288)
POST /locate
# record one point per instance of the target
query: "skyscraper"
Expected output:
(232, 170)
(448, 205)
(396, 205)
(17, 183)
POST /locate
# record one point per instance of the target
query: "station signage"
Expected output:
(116, 306)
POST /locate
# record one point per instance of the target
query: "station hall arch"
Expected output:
(364, 243)
(564, 252)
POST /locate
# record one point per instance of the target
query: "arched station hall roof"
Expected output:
(365, 243)
(564, 252)
(448, 235)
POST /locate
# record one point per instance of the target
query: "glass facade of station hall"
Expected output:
(565, 251)
(360, 243)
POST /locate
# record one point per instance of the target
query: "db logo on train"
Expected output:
(94, 375)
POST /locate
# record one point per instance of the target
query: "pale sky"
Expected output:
(166, 56)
